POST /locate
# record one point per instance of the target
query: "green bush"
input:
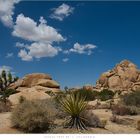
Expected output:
(132, 99)
(106, 94)
(33, 116)
(88, 94)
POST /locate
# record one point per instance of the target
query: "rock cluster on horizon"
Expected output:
(124, 77)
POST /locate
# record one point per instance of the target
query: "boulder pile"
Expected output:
(123, 78)
(34, 86)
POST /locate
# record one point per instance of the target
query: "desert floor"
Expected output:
(128, 125)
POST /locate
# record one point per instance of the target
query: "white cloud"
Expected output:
(82, 49)
(9, 55)
(61, 12)
(24, 55)
(20, 45)
(26, 28)
(38, 50)
(6, 68)
(65, 59)
(40, 35)
(7, 11)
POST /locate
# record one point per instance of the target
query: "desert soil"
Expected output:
(5, 124)
(128, 127)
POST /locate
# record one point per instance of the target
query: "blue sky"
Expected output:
(74, 42)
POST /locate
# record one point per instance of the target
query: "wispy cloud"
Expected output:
(65, 59)
(61, 12)
(20, 45)
(7, 11)
(9, 55)
(81, 49)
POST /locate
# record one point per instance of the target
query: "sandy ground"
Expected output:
(5, 125)
(129, 127)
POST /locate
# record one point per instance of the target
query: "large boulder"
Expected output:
(48, 83)
(115, 82)
(34, 86)
(32, 79)
(29, 94)
(35, 79)
(103, 80)
(123, 77)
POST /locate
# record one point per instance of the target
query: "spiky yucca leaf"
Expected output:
(73, 105)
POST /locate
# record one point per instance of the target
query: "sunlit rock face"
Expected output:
(124, 77)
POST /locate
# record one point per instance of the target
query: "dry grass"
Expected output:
(91, 119)
(124, 110)
(33, 116)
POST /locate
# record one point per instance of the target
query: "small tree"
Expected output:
(5, 80)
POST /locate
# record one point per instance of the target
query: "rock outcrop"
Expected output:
(34, 86)
(124, 78)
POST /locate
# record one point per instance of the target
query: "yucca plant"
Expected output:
(74, 105)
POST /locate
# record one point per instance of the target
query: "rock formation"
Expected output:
(34, 86)
(124, 78)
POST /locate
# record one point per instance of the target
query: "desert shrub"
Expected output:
(102, 123)
(5, 107)
(88, 94)
(22, 99)
(124, 110)
(114, 119)
(33, 116)
(105, 94)
(74, 105)
(57, 105)
(123, 121)
(59, 96)
(134, 110)
(132, 99)
(90, 118)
